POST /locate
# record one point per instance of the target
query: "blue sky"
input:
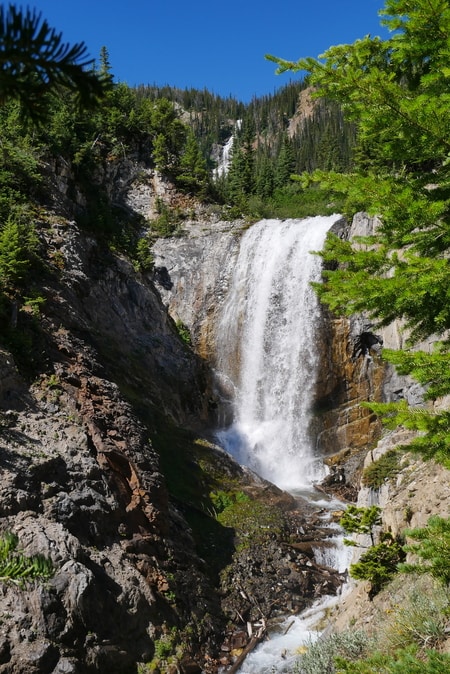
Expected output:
(206, 44)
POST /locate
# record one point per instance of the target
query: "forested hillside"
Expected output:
(177, 133)
(273, 137)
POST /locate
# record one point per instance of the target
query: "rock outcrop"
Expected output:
(193, 273)
(81, 482)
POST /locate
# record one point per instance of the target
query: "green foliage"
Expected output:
(183, 332)
(167, 222)
(320, 655)
(165, 646)
(387, 466)
(192, 171)
(222, 500)
(378, 564)
(432, 547)
(35, 61)
(16, 247)
(433, 441)
(358, 520)
(254, 522)
(395, 91)
(143, 255)
(404, 661)
(401, 638)
(420, 619)
(18, 568)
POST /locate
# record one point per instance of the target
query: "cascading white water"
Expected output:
(267, 349)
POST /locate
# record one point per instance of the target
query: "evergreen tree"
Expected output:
(34, 61)
(285, 163)
(265, 178)
(105, 65)
(193, 173)
(396, 92)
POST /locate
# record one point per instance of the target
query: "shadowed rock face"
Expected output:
(80, 480)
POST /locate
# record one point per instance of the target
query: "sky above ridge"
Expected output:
(206, 44)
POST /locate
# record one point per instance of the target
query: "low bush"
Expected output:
(404, 661)
(421, 619)
(320, 655)
(387, 466)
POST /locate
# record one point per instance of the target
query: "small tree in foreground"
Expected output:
(379, 563)
(360, 521)
(432, 548)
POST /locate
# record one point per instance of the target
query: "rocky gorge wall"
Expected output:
(81, 482)
(105, 419)
(192, 274)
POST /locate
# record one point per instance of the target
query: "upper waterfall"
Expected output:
(266, 349)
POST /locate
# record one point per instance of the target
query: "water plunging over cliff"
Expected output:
(266, 349)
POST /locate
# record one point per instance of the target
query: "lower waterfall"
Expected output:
(266, 345)
(267, 362)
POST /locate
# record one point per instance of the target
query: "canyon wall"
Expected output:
(193, 274)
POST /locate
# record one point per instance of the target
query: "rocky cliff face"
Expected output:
(105, 466)
(80, 480)
(193, 274)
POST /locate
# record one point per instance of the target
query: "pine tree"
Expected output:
(34, 61)
(193, 173)
(285, 163)
(105, 65)
(396, 93)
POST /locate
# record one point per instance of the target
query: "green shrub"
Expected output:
(18, 244)
(320, 655)
(168, 220)
(405, 661)
(420, 619)
(226, 499)
(183, 332)
(357, 520)
(387, 466)
(432, 547)
(144, 259)
(379, 564)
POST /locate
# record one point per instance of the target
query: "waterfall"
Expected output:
(266, 346)
(225, 159)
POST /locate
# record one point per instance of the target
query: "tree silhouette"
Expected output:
(34, 61)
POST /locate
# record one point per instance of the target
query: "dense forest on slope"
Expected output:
(269, 144)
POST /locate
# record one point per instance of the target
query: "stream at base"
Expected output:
(291, 635)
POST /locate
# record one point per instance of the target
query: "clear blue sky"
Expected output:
(206, 44)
